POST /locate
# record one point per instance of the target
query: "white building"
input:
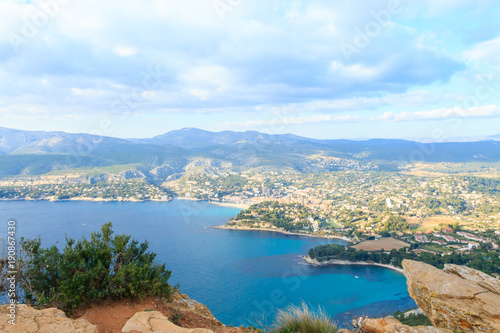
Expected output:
(388, 202)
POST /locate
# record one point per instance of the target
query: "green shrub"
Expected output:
(176, 318)
(413, 319)
(301, 319)
(87, 271)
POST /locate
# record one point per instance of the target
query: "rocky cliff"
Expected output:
(458, 298)
(179, 315)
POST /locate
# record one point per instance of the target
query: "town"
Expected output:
(439, 214)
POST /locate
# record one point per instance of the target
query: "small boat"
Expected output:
(357, 277)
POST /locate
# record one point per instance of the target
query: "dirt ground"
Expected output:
(110, 317)
(381, 244)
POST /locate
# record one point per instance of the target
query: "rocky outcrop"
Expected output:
(154, 321)
(484, 280)
(451, 301)
(29, 320)
(183, 301)
(391, 325)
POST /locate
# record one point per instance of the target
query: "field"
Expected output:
(436, 248)
(381, 244)
(332, 225)
(429, 223)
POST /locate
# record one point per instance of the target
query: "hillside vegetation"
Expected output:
(168, 155)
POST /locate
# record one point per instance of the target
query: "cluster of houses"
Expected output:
(472, 241)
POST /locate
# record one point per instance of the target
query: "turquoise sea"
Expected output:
(242, 276)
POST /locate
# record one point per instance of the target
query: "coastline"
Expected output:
(242, 206)
(315, 262)
(283, 232)
(86, 199)
(226, 204)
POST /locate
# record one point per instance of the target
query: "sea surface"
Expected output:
(242, 276)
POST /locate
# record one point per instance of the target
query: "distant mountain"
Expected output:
(463, 139)
(193, 150)
(38, 142)
(38, 152)
(196, 138)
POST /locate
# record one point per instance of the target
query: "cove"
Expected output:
(242, 276)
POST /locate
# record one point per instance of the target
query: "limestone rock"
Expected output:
(484, 280)
(183, 301)
(451, 301)
(391, 325)
(29, 320)
(154, 321)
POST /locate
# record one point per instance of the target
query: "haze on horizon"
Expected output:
(385, 69)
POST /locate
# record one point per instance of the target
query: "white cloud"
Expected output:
(279, 121)
(265, 54)
(411, 99)
(358, 72)
(279, 117)
(443, 113)
(125, 51)
(485, 52)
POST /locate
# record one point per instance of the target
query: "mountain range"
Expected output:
(187, 150)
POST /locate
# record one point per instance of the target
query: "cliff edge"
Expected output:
(31, 320)
(457, 298)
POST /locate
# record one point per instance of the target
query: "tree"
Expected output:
(86, 271)
(456, 227)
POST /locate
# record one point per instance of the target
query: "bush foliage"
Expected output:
(413, 319)
(302, 319)
(86, 271)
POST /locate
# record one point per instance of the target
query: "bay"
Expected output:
(242, 276)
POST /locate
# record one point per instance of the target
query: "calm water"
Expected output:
(239, 275)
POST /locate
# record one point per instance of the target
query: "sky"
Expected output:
(323, 69)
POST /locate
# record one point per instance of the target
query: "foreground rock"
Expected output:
(29, 320)
(391, 325)
(154, 321)
(451, 301)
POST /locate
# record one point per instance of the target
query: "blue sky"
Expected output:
(324, 69)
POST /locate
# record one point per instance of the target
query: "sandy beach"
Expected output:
(219, 203)
(228, 204)
(282, 232)
(315, 262)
